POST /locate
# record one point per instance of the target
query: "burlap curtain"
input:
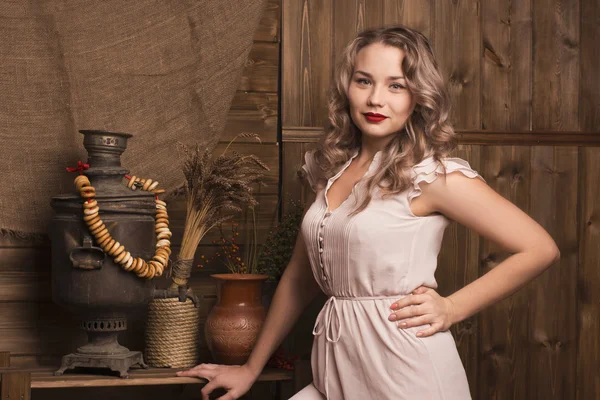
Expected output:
(165, 71)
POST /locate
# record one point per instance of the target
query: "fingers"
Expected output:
(228, 396)
(408, 300)
(436, 327)
(420, 290)
(198, 367)
(218, 376)
(204, 366)
(209, 387)
(418, 321)
(198, 373)
(189, 372)
(406, 312)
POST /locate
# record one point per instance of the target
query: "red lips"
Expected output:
(374, 117)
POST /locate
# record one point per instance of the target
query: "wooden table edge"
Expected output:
(45, 379)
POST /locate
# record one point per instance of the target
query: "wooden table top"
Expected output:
(44, 378)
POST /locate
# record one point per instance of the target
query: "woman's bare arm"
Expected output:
(475, 205)
(296, 289)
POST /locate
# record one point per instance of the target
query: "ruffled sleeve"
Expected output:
(311, 169)
(428, 170)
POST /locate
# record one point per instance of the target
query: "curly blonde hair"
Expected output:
(427, 131)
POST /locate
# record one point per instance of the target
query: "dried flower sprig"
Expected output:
(229, 253)
(216, 188)
(270, 258)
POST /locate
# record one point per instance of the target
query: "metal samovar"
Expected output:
(85, 279)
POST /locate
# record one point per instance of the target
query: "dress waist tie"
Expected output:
(330, 315)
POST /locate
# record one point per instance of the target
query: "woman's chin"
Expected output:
(376, 132)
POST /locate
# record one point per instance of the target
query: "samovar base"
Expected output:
(119, 362)
(103, 349)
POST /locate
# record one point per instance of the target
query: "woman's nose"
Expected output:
(375, 98)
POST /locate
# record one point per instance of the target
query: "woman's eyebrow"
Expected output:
(392, 78)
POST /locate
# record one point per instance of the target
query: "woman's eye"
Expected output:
(363, 81)
(397, 86)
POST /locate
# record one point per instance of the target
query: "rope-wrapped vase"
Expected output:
(172, 334)
(172, 331)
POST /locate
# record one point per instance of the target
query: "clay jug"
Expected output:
(233, 324)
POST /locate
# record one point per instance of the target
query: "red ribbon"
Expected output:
(80, 167)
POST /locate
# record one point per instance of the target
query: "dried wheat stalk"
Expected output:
(215, 188)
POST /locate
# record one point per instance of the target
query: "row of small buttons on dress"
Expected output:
(327, 214)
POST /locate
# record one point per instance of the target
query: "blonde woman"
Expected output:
(385, 191)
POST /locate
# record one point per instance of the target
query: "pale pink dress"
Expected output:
(364, 263)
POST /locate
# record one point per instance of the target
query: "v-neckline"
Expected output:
(336, 177)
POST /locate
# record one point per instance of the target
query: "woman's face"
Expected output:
(380, 102)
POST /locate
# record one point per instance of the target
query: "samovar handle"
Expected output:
(87, 257)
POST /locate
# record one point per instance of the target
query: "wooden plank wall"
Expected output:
(37, 332)
(526, 99)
